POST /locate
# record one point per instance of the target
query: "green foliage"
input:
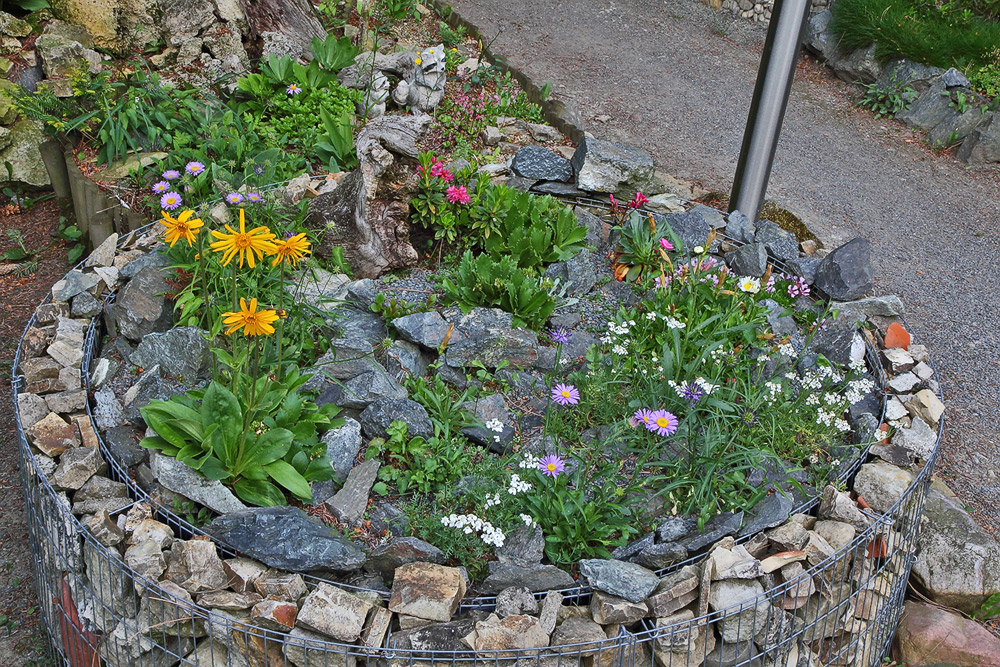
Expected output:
(19, 252)
(986, 79)
(260, 439)
(945, 35)
(643, 256)
(583, 513)
(392, 307)
(335, 146)
(484, 281)
(989, 609)
(959, 101)
(887, 102)
(193, 513)
(398, 10)
(418, 464)
(451, 37)
(534, 231)
(334, 54)
(442, 406)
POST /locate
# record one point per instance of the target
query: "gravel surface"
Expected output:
(676, 78)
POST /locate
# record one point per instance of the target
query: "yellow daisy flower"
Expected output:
(291, 250)
(181, 227)
(258, 240)
(253, 322)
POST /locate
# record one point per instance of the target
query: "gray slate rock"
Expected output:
(675, 527)
(494, 346)
(123, 444)
(929, 109)
(693, 226)
(181, 478)
(748, 260)
(360, 324)
(73, 283)
(533, 577)
(181, 352)
(349, 504)
(659, 556)
(286, 538)
(840, 346)
(955, 127)
(781, 244)
(952, 78)
(542, 164)
(347, 358)
(804, 267)
(86, 306)
(557, 189)
(577, 272)
(622, 579)
(982, 146)
(342, 446)
(361, 391)
(739, 228)
(141, 308)
(899, 73)
(385, 558)
(781, 325)
(425, 329)
(524, 546)
(603, 166)
(150, 259)
(846, 273)
(769, 512)
(377, 417)
(719, 526)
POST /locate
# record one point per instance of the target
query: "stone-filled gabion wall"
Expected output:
(756, 10)
(117, 584)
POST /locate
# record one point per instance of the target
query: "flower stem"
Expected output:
(281, 317)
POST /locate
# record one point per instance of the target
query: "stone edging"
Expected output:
(56, 423)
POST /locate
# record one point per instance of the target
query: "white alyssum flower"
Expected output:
(517, 485)
(528, 521)
(495, 425)
(674, 323)
(470, 523)
(529, 462)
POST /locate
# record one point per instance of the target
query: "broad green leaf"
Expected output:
(289, 477)
(219, 406)
(258, 492)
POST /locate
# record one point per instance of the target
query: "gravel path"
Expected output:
(676, 78)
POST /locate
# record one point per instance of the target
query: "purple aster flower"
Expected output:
(234, 198)
(643, 416)
(691, 392)
(254, 197)
(170, 201)
(194, 168)
(160, 187)
(293, 89)
(559, 335)
(798, 288)
(171, 174)
(551, 465)
(663, 423)
(565, 394)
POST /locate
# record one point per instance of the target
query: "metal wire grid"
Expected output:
(64, 548)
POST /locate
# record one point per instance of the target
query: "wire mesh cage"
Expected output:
(839, 608)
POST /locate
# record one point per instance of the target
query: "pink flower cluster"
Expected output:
(458, 194)
(438, 170)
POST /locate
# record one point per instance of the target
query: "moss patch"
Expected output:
(770, 211)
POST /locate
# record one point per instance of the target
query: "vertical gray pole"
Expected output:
(770, 97)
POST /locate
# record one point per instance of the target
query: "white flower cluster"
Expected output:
(786, 350)
(518, 485)
(493, 501)
(825, 417)
(858, 389)
(706, 386)
(773, 391)
(470, 523)
(528, 521)
(495, 425)
(529, 462)
(615, 329)
(674, 323)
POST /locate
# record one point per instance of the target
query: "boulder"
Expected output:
(63, 57)
(141, 307)
(846, 273)
(77, 466)
(730, 593)
(181, 478)
(603, 166)
(425, 329)
(195, 566)
(349, 504)
(182, 352)
(958, 563)
(398, 551)
(781, 244)
(541, 164)
(748, 260)
(583, 634)
(929, 109)
(363, 390)
(514, 601)
(511, 633)
(982, 145)
(427, 590)
(930, 635)
(622, 579)
(377, 417)
(334, 612)
(533, 577)
(342, 446)
(578, 273)
(286, 538)
(24, 156)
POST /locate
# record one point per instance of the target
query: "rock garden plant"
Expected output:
(607, 402)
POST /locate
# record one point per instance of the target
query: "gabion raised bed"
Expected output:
(840, 608)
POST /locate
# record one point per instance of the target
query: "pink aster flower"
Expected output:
(254, 197)
(666, 245)
(194, 168)
(171, 174)
(565, 394)
(161, 187)
(551, 465)
(663, 423)
(458, 194)
(293, 89)
(234, 198)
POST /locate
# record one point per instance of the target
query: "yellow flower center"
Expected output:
(551, 467)
(242, 241)
(565, 393)
(662, 422)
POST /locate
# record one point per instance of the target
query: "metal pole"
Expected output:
(770, 97)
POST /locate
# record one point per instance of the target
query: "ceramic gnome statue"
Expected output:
(426, 87)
